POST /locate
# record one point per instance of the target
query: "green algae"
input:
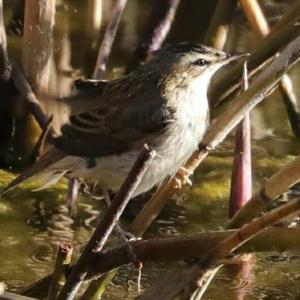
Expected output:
(267, 166)
(212, 179)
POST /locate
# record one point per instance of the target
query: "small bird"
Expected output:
(162, 103)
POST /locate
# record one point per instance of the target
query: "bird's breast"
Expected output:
(184, 134)
(174, 146)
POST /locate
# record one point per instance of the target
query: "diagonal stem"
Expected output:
(105, 227)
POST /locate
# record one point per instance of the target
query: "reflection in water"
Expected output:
(243, 271)
(52, 227)
(92, 215)
(59, 226)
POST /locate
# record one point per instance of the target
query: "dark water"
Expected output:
(32, 224)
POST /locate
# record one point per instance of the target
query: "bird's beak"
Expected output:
(228, 59)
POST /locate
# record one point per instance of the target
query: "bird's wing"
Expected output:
(85, 95)
(115, 124)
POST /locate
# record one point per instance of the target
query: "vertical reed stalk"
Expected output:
(108, 39)
(216, 35)
(63, 260)
(36, 59)
(3, 41)
(37, 44)
(6, 106)
(159, 24)
(94, 18)
(241, 180)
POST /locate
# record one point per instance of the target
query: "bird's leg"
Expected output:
(182, 177)
(73, 188)
(124, 236)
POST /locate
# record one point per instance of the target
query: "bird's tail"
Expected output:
(41, 167)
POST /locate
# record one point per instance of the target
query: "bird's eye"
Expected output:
(201, 62)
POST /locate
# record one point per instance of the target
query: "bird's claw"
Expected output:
(182, 177)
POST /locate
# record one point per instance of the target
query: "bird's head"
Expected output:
(184, 63)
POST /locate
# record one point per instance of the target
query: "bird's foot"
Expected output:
(125, 236)
(182, 177)
(130, 237)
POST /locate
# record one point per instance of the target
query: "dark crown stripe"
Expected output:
(193, 47)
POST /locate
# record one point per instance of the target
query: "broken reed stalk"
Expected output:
(219, 129)
(109, 36)
(260, 25)
(197, 276)
(216, 35)
(158, 26)
(241, 179)
(107, 224)
(63, 260)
